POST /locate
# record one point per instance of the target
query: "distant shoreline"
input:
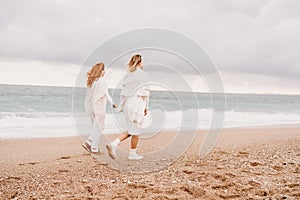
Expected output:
(200, 92)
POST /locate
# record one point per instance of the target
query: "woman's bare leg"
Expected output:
(112, 147)
(124, 136)
(132, 154)
(134, 141)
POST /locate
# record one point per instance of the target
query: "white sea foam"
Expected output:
(52, 124)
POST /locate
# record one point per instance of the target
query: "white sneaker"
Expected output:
(111, 149)
(134, 156)
(96, 151)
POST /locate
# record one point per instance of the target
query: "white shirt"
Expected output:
(96, 96)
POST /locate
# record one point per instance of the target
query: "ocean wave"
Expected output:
(56, 124)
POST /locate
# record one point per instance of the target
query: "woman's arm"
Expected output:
(101, 91)
(108, 97)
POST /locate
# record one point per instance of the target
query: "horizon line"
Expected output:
(67, 86)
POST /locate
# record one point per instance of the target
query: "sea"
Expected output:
(49, 111)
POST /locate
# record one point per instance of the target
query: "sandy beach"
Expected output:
(247, 163)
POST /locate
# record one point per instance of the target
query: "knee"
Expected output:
(135, 136)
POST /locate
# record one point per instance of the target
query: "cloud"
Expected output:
(236, 82)
(254, 37)
(29, 72)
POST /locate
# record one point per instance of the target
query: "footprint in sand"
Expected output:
(254, 183)
(223, 186)
(231, 175)
(63, 170)
(230, 196)
(277, 168)
(262, 193)
(193, 191)
(137, 186)
(220, 177)
(30, 163)
(14, 177)
(297, 170)
(292, 185)
(254, 164)
(243, 153)
(64, 158)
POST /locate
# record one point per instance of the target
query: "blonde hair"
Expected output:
(94, 73)
(134, 62)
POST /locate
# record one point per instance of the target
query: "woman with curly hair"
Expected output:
(95, 104)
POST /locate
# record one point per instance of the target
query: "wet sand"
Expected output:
(248, 163)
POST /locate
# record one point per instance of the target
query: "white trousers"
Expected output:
(97, 129)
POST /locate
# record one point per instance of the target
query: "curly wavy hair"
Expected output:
(134, 62)
(94, 73)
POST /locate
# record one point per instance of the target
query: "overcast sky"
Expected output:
(254, 43)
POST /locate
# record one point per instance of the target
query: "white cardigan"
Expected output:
(135, 95)
(96, 96)
(133, 84)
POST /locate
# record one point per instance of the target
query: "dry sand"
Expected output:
(248, 163)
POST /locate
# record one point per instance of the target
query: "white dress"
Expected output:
(134, 100)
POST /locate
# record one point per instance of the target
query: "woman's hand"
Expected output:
(145, 111)
(115, 105)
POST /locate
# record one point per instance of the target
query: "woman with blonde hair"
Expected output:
(134, 102)
(95, 104)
